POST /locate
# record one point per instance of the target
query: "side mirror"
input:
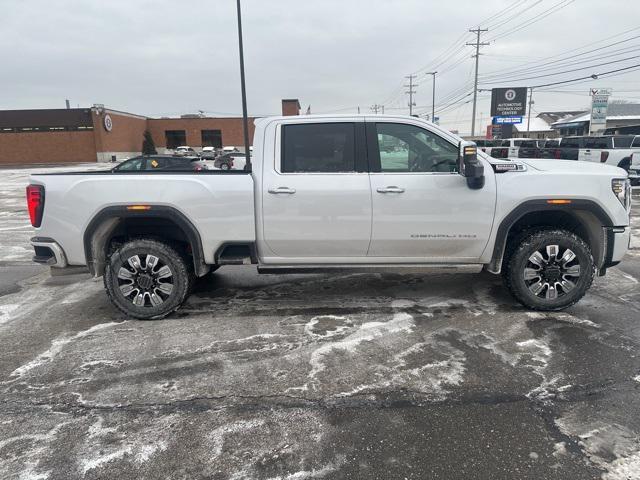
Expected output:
(470, 167)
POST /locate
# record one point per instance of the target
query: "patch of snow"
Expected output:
(533, 456)
(402, 303)
(637, 378)
(57, 345)
(559, 449)
(6, 311)
(401, 322)
(308, 328)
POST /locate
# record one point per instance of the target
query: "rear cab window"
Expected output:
(318, 148)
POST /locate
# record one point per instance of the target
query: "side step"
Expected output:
(372, 268)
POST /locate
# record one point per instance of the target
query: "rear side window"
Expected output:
(622, 142)
(318, 147)
(597, 142)
(529, 143)
(575, 142)
(636, 142)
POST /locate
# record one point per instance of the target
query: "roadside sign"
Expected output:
(508, 102)
(599, 107)
(504, 120)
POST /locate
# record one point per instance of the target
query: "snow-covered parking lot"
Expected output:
(376, 376)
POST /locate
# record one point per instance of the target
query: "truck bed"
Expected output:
(219, 204)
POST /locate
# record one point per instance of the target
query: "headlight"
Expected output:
(622, 189)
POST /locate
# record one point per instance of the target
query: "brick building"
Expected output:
(100, 134)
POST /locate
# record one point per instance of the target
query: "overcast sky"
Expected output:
(169, 57)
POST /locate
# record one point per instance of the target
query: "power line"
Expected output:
(542, 15)
(573, 69)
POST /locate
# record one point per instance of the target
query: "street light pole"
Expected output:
(433, 99)
(245, 118)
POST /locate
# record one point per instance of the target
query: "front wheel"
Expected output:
(147, 279)
(225, 166)
(550, 270)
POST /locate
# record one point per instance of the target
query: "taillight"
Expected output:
(604, 156)
(35, 203)
(557, 153)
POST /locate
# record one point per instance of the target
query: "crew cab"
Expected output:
(322, 195)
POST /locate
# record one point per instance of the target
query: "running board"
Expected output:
(372, 268)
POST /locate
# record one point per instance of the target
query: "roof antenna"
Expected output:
(245, 119)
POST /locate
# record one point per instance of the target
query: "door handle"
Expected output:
(391, 189)
(286, 190)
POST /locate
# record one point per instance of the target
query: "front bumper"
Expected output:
(48, 252)
(618, 240)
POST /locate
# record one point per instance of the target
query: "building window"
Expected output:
(212, 138)
(175, 138)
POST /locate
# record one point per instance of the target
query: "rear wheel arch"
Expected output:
(161, 222)
(585, 218)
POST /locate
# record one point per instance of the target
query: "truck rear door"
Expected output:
(316, 198)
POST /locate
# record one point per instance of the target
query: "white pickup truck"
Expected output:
(338, 192)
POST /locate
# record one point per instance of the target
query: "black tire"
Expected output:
(549, 282)
(148, 284)
(225, 166)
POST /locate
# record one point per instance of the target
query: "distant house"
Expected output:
(540, 125)
(618, 115)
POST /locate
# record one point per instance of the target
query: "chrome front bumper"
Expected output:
(48, 252)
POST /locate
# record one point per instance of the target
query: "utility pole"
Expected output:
(411, 92)
(529, 118)
(245, 118)
(433, 98)
(358, 109)
(477, 44)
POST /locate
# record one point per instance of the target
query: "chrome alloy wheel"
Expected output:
(146, 282)
(550, 274)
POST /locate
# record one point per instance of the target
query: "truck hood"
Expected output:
(552, 165)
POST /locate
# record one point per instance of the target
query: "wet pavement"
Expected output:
(377, 376)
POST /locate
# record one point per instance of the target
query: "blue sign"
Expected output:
(508, 120)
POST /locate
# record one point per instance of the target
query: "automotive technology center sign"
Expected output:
(508, 102)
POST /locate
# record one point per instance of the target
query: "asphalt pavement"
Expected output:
(376, 376)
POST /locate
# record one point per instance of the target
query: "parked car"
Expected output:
(321, 194)
(186, 151)
(487, 145)
(225, 161)
(209, 153)
(529, 148)
(160, 163)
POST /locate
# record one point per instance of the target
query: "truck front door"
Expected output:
(422, 207)
(316, 198)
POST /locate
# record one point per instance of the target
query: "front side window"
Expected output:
(407, 148)
(318, 147)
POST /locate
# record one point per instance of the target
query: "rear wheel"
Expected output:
(225, 166)
(147, 279)
(550, 270)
